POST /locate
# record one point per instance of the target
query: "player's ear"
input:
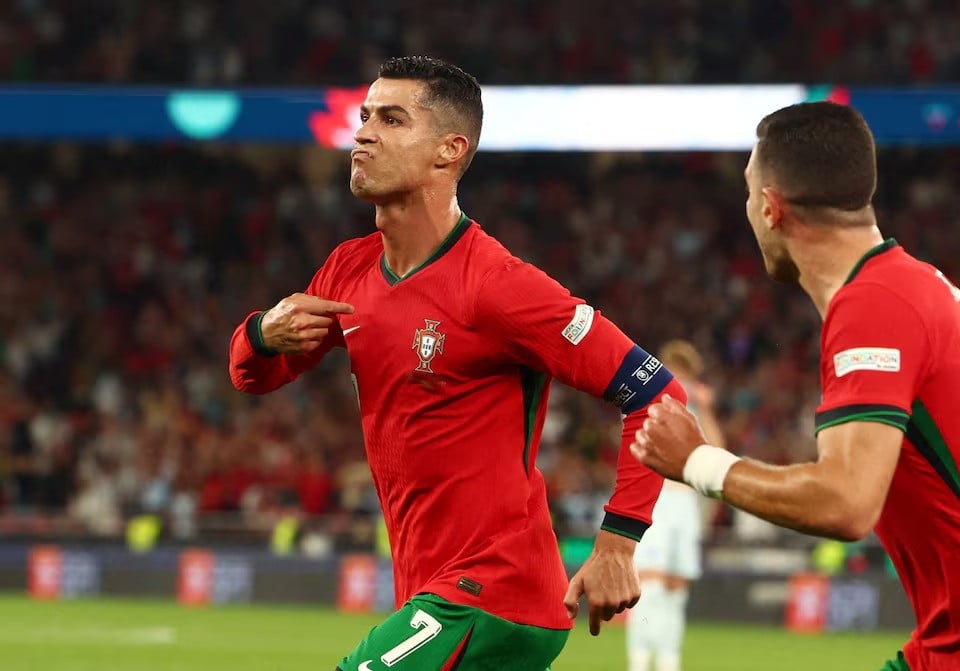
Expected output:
(453, 148)
(773, 207)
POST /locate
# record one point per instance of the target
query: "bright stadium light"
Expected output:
(628, 118)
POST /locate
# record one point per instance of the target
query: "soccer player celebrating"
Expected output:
(452, 344)
(888, 427)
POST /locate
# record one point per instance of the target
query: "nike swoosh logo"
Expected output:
(347, 332)
(366, 665)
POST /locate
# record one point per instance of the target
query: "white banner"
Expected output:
(629, 118)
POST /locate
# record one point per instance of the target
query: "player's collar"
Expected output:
(458, 230)
(884, 246)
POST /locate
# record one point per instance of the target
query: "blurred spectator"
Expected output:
(300, 42)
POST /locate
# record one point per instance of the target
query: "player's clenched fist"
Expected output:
(668, 437)
(299, 323)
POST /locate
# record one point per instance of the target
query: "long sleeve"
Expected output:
(256, 370)
(544, 327)
(261, 373)
(630, 510)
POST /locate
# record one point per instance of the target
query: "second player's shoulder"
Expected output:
(898, 273)
(868, 305)
(875, 318)
(903, 292)
(923, 284)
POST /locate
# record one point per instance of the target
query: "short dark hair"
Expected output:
(819, 155)
(446, 86)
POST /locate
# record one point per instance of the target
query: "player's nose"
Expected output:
(363, 135)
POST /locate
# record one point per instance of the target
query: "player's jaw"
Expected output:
(378, 176)
(781, 268)
(777, 261)
(776, 257)
(374, 178)
(360, 182)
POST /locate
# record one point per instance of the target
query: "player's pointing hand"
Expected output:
(607, 579)
(299, 323)
(669, 434)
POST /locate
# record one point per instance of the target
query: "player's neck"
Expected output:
(413, 230)
(827, 259)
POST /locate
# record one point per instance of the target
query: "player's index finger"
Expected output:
(321, 306)
(334, 307)
(595, 620)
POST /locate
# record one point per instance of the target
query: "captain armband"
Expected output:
(640, 378)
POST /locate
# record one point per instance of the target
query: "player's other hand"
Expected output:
(300, 322)
(608, 580)
(669, 434)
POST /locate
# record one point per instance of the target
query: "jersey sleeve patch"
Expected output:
(884, 359)
(580, 325)
(882, 414)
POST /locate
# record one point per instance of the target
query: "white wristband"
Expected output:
(706, 469)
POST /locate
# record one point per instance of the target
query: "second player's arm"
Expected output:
(871, 373)
(839, 496)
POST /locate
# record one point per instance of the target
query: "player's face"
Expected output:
(776, 257)
(396, 147)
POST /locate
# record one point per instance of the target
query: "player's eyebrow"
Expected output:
(384, 109)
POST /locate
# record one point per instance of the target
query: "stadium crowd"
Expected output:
(300, 42)
(123, 272)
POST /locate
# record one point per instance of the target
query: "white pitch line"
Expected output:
(136, 636)
(149, 636)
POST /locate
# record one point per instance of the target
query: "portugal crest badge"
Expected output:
(429, 343)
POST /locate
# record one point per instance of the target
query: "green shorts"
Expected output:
(432, 634)
(898, 664)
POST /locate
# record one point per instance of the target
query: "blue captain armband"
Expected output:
(640, 378)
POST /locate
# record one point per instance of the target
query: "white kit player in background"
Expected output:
(668, 556)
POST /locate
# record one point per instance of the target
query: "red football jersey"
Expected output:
(891, 354)
(452, 365)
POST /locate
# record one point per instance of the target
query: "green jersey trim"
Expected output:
(924, 434)
(533, 384)
(882, 414)
(452, 237)
(884, 246)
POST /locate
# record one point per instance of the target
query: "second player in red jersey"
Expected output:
(890, 354)
(888, 426)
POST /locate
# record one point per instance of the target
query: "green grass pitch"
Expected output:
(121, 635)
